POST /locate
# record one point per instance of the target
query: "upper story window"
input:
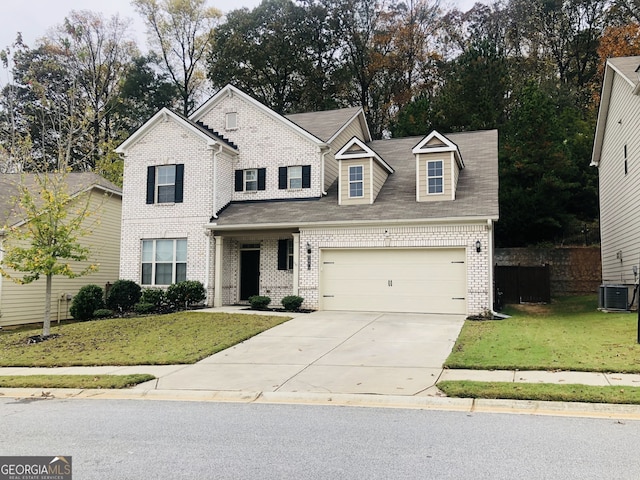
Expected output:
(164, 261)
(294, 177)
(435, 177)
(356, 181)
(250, 180)
(231, 120)
(165, 183)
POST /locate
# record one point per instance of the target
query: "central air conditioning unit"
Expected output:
(613, 297)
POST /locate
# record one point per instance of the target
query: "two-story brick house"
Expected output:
(251, 202)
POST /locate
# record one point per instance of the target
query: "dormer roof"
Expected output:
(356, 148)
(435, 143)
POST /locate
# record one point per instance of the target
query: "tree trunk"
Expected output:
(46, 324)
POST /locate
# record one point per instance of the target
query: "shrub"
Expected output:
(185, 294)
(88, 299)
(156, 297)
(292, 303)
(123, 295)
(259, 302)
(143, 308)
(103, 313)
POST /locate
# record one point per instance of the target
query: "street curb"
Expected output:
(471, 406)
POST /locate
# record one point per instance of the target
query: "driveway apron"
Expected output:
(331, 352)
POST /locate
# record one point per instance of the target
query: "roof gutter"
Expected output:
(344, 223)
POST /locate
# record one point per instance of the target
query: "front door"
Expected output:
(249, 273)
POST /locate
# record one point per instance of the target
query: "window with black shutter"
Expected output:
(165, 183)
(285, 254)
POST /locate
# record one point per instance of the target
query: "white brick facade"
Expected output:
(263, 140)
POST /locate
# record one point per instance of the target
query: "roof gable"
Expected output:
(328, 124)
(209, 136)
(627, 68)
(356, 148)
(230, 90)
(435, 143)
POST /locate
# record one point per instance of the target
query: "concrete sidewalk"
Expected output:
(362, 357)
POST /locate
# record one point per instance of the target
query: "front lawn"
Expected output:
(176, 338)
(569, 334)
(73, 381)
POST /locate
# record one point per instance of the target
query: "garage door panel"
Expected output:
(403, 280)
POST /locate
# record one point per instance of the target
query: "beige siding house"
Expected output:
(616, 154)
(22, 304)
(251, 202)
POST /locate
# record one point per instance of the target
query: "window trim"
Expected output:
(246, 181)
(290, 177)
(353, 182)
(154, 262)
(435, 177)
(159, 185)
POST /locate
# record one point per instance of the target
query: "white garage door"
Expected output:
(394, 280)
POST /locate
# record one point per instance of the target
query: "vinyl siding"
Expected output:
(22, 304)
(619, 193)
(447, 159)
(379, 177)
(354, 129)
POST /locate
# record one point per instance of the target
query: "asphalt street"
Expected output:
(135, 439)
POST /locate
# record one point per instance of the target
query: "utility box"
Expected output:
(613, 297)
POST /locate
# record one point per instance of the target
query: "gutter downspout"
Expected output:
(323, 152)
(215, 181)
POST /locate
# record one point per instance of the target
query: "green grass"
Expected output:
(176, 338)
(569, 334)
(541, 391)
(73, 381)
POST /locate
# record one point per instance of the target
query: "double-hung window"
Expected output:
(164, 261)
(165, 183)
(250, 180)
(356, 181)
(295, 177)
(435, 177)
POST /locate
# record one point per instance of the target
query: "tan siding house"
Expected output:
(616, 153)
(22, 304)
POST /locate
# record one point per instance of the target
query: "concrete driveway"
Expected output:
(331, 352)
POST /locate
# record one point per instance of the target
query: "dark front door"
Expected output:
(249, 273)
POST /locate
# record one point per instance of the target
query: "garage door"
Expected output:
(394, 280)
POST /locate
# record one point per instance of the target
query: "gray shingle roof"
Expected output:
(476, 196)
(9, 192)
(323, 124)
(627, 66)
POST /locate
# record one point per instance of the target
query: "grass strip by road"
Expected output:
(176, 338)
(540, 391)
(568, 334)
(73, 381)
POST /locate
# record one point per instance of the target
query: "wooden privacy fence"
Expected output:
(516, 284)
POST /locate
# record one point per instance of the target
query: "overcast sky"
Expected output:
(34, 17)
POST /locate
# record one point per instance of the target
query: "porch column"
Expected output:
(217, 273)
(296, 263)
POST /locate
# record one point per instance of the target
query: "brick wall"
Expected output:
(574, 270)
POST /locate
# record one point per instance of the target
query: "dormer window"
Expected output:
(435, 177)
(231, 121)
(356, 181)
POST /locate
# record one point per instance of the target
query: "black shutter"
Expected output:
(283, 253)
(262, 175)
(282, 178)
(151, 184)
(239, 180)
(179, 182)
(306, 176)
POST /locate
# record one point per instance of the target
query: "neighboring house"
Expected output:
(251, 202)
(616, 153)
(20, 304)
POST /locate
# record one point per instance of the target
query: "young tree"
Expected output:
(46, 236)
